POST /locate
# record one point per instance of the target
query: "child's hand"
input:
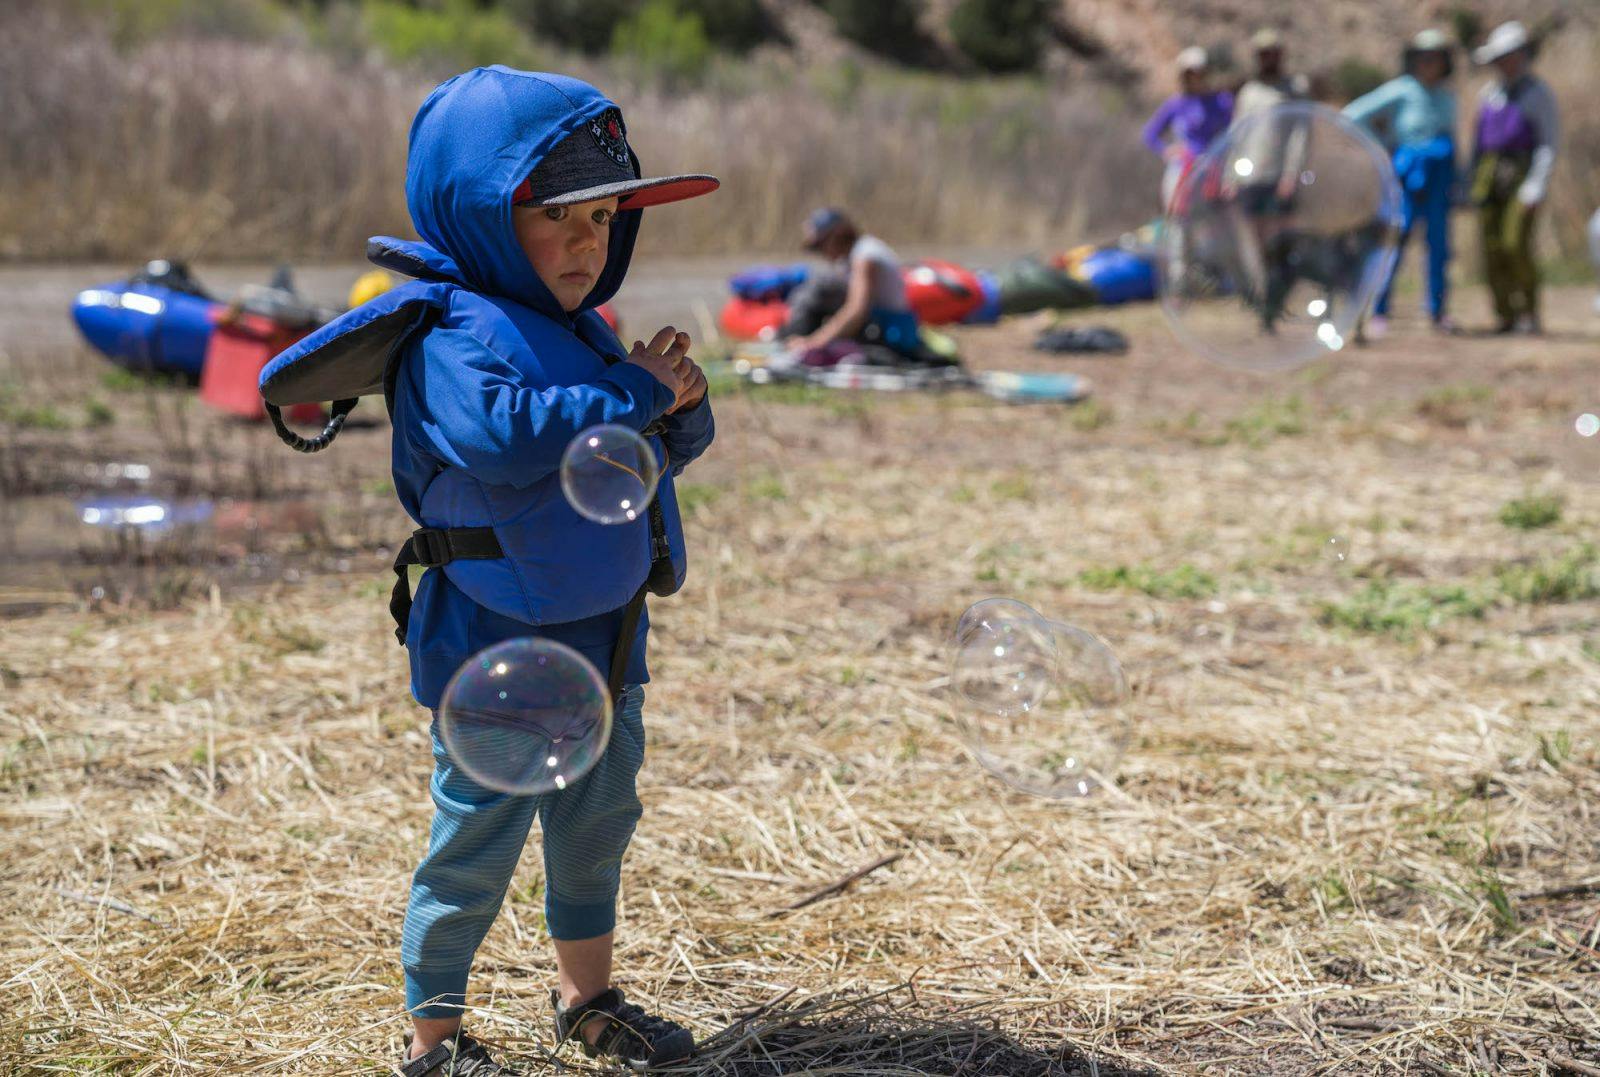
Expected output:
(694, 381)
(662, 357)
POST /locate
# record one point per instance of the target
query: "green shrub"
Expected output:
(132, 22)
(886, 27)
(453, 35)
(1532, 512)
(1353, 76)
(1000, 35)
(734, 25)
(591, 25)
(664, 41)
(1467, 25)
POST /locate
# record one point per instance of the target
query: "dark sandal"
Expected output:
(630, 1034)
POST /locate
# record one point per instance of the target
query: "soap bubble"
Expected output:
(1070, 741)
(991, 612)
(1279, 238)
(1336, 548)
(526, 716)
(1004, 657)
(1588, 425)
(609, 474)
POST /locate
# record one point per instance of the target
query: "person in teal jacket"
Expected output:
(1414, 115)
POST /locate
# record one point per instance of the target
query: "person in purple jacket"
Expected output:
(1188, 121)
(1513, 152)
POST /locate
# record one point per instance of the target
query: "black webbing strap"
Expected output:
(624, 648)
(431, 547)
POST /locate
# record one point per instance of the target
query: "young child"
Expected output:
(528, 200)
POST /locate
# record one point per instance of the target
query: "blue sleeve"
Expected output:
(688, 434)
(472, 410)
(1374, 103)
(1157, 127)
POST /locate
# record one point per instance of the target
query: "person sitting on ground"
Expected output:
(876, 309)
(1513, 153)
(1417, 111)
(1185, 124)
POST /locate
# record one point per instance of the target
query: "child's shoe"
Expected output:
(458, 1056)
(630, 1034)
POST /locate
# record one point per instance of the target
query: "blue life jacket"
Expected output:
(488, 379)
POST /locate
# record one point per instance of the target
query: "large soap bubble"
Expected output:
(1069, 742)
(609, 474)
(1279, 238)
(526, 716)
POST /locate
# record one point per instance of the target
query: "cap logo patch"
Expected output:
(611, 136)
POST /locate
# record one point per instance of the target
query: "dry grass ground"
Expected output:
(1355, 832)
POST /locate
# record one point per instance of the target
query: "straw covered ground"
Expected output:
(1355, 832)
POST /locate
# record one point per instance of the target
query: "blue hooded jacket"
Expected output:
(490, 380)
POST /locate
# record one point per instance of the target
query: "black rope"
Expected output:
(338, 413)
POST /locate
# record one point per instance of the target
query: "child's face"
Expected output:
(566, 245)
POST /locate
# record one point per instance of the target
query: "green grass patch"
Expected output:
(1183, 581)
(1532, 512)
(1572, 577)
(693, 495)
(1456, 405)
(1404, 610)
(1268, 420)
(1090, 415)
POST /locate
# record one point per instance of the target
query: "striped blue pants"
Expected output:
(476, 839)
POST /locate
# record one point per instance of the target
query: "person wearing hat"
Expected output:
(528, 197)
(1276, 147)
(876, 307)
(1414, 115)
(1277, 150)
(1186, 123)
(1513, 152)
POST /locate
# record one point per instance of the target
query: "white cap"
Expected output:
(1193, 58)
(1507, 38)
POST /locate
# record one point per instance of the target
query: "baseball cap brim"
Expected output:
(637, 194)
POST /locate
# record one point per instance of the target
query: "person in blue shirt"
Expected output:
(1414, 115)
(528, 198)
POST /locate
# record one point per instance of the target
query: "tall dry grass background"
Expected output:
(231, 149)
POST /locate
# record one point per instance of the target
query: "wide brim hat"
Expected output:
(1266, 40)
(1431, 42)
(594, 163)
(1507, 38)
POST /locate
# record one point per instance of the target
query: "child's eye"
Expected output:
(556, 213)
(603, 216)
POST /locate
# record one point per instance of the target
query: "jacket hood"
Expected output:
(476, 137)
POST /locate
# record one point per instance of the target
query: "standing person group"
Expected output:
(1415, 115)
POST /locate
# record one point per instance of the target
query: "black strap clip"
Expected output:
(431, 547)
